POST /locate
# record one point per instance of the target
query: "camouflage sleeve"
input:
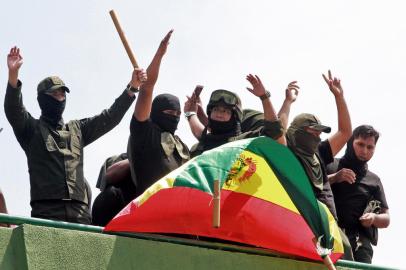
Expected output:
(95, 127)
(273, 129)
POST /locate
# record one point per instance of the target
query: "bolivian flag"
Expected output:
(266, 201)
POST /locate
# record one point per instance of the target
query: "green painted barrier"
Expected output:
(62, 245)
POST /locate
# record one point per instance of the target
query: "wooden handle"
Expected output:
(123, 39)
(327, 261)
(216, 204)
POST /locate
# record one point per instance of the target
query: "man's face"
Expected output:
(221, 113)
(364, 148)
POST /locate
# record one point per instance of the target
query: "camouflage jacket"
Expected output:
(55, 155)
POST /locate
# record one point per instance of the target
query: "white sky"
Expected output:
(215, 43)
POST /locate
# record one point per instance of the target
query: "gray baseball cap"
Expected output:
(311, 121)
(50, 84)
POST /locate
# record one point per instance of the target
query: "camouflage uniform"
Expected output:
(59, 190)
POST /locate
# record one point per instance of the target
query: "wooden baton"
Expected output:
(216, 204)
(123, 39)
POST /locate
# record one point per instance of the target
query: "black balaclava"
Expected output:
(220, 132)
(165, 121)
(221, 127)
(350, 161)
(51, 108)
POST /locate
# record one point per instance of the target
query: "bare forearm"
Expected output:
(344, 119)
(382, 220)
(343, 134)
(196, 126)
(284, 113)
(143, 105)
(332, 178)
(202, 116)
(270, 115)
(153, 69)
(144, 102)
(269, 111)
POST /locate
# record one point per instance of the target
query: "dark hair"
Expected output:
(366, 131)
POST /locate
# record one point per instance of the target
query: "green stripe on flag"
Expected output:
(212, 165)
(293, 178)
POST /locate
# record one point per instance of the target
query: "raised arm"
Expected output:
(94, 127)
(14, 63)
(201, 113)
(144, 102)
(17, 115)
(291, 93)
(340, 138)
(191, 110)
(258, 90)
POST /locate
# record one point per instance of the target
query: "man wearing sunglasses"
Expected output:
(54, 149)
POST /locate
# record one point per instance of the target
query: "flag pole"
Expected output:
(123, 38)
(327, 261)
(216, 204)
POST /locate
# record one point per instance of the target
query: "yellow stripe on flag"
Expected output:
(334, 232)
(251, 175)
(166, 182)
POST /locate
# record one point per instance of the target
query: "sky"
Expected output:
(216, 44)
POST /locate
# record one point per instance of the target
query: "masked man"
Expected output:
(54, 149)
(154, 150)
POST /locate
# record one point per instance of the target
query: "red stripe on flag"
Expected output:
(244, 219)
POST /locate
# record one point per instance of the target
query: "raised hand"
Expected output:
(139, 76)
(14, 59)
(334, 84)
(153, 68)
(164, 43)
(258, 88)
(292, 91)
(190, 104)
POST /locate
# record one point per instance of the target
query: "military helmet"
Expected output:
(227, 98)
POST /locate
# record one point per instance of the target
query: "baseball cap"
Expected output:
(50, 84)
(311, 121)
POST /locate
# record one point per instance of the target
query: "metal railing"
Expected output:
(19, 220)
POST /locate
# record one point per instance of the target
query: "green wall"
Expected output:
(39, 247)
